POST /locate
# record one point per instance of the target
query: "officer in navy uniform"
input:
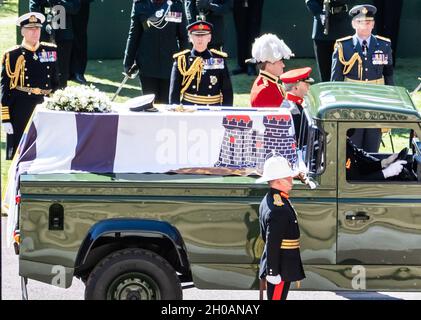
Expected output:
(29, 73)
(60, 33)
(212, 11)
(327, 28)
(363, 58)
(281, 262)
(157, 31)
(200, 76)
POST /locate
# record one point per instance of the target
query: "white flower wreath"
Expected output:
(79, 99)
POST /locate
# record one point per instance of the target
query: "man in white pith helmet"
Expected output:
(281, 262)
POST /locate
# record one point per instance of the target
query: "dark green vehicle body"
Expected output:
(209, 224)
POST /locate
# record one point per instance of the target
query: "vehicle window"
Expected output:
(386, 154)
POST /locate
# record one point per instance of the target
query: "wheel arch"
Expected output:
(114, 234)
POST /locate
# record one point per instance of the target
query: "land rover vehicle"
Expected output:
(138, 236)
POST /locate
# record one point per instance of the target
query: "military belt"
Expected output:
(375, 81)
(339, 9)
(36, 91)
(290, 244)
(217, 99)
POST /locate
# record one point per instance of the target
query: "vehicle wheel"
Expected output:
(133, 274)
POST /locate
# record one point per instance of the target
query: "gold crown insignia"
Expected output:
(201, 26)
(33, 19)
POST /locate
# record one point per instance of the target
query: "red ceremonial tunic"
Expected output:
(267, 91)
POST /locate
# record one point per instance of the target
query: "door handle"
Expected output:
(360, 215)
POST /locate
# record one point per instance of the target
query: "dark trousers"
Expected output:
(79, 58)
(367, 139)
(279, 291)
(64, 50)
(247, 24)
(323, 51)
(157, 86)
(388, 18)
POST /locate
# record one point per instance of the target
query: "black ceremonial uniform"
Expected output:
(79, 56)
(214, 11)
(61, 35)
(201, 78)
(388, 20)
(247, 20)
(157, 31)
(360, 165)
(350, 64)
(27, 76)
(280, 232)
(339, 25)
(294, 104)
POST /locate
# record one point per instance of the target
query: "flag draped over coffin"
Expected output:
(129, 142)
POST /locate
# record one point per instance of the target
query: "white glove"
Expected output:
(323, 18)
(386, 162)
(8, 128)
(301, 165)
(274, 279)
(394, 169)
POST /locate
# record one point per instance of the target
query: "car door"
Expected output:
(379, 222)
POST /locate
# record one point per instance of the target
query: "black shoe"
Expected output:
(251, 70)
(79, 78)
(238, 71)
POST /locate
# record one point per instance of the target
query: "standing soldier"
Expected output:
(363, 58)
(200, 76)
(327, 27)
(29, 73)
(157, 31)
(59, 30)
(212, 11)
(248, 20)
(281, 262)
(388, 21)
(79, 57)
(269, 51)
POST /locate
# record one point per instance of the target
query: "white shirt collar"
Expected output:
(355, 38)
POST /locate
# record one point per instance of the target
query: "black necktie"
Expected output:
(365, 47)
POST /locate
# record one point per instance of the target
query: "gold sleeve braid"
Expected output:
(350, 63)
(195, 70)
(18, 73)
(5, 115)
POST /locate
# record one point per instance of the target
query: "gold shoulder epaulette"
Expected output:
(175, 55)
(221, 53)
(49, 44)
(3, 59)
(383, 38)
(344, 38)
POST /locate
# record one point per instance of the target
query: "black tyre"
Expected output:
(133, 274)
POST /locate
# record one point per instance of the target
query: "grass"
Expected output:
(8, 8)
(106, 76)
(8, 16)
